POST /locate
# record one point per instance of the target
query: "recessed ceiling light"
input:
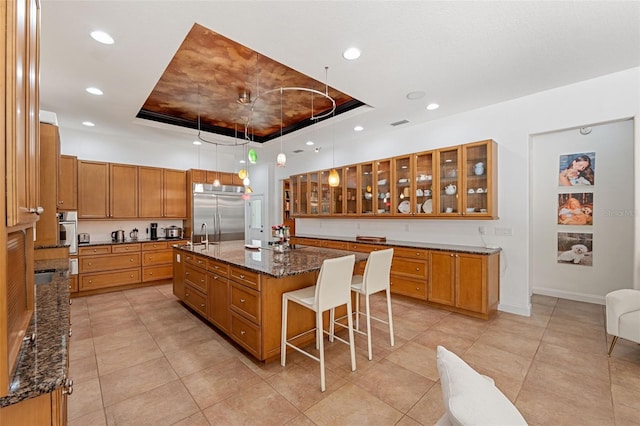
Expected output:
(88, 123)
(431, 107)
(94, 91)
(309, 143)
(412, 96)
(358, 128)
(197, 143)
(102, 37)
(351, 53)
(242, 161)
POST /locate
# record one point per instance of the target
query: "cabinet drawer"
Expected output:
(125, 248)
(340, 245)
(306, 241)
(246, 302)
(219, 268)
(365, 248)
(196, 277)
(245, 277)
(408, 287)
(157, 257)
(410, 253)
(111, 279)
(152, 273)
(108, 263)
(195, 260)
(196, 300)
(159, 245)
(409, 267)
(73, 283)
(246, 334)
(90, 251)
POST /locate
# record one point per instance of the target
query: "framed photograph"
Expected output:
(577, 169)
(575, 248)
(575, 208)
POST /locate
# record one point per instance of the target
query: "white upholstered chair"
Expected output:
(332, 289)
(376, 278)
(623, 315)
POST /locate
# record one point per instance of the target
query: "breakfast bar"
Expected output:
(239, 289)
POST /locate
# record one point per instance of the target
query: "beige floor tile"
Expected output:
(510, 324)
(173, 340)
(625, 350)
(585, 343)
(85, 399)
(566, 305)
(625, 374)
(105, 327)
(114, 316)
(407, 421)
(429, 408)
(496, 360)
(628, 396)
(258, 405)
(626, 415)
(262, 369)
(461, 326)
(197, 419)
(300, 420)
(95, 418)
(352, 405)
(115, 297)
(539, 299)
(579, 328)
(219, 382)
(197, 357)
(510, 342)
(128, 382)
(120, 338)
(416, 358)
(80, 348)
(596, 366)
(397, 386)
(81, 331)
(164, 405)
(83, 369)
(137, 352)
(434, 338)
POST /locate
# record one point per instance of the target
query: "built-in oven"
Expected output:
(68, 230)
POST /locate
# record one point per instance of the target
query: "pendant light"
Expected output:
(334, 177)
(216, 181)
(281, 159)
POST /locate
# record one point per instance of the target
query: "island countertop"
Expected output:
(270, 260)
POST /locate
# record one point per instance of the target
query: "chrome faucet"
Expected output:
(205, 241)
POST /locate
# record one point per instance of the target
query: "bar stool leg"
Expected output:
(321, 342)
(352, 346)
(283, 339)
(390, 316)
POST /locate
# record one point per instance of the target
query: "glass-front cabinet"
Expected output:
(478, 180)
(304, 193)
(403, 193)
(351, 189)
(313, 193)
(295, 196)
(366, 188)
(449, 202)
(324, 194)
(383, 187)
(424, 189)
(337, 195)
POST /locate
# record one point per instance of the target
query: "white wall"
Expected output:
(511, 124)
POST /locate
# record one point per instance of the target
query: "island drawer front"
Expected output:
(245, 277)
(91, 251)
(196, 300)
(409, 287)
(409, 267)
(108, 263)
(125, 248)
(246, 302)
(410, 253)
(196, 277)
(195, 260)
(157, 257)
(340, 245)
(246, 334)
(158, 245)
(111, 279)
(219, 268)
(153, 273)
(365, 248)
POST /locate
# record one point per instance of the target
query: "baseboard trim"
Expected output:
(579, 297)
(515, 309)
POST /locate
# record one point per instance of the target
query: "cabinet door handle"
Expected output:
(90, 281)
(242, 332)
(38, 210)
(186, 295)
(95, 250)
(241, 277)
(89, 263)
(150, 257)
(131, 276)
(131, 260)
(61, 201)
(186, 273)
(417, 269)
(202, 305)
(242, 300)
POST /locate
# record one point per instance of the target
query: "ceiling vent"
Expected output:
(298, 151)
(398, 123)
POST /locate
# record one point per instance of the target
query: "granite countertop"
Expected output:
(271, 260)
(411, 244)
(130, 241)
(42, 363)
(52, 246)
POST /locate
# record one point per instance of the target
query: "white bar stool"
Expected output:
(332, 289)
(376, 278)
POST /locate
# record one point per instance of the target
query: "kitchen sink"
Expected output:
(43, 277)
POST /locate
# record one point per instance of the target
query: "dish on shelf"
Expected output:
(368, 195)
(427, 207)
(404, 207)
(382, 182)
(403, 180)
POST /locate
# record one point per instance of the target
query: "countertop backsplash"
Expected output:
(100, 230)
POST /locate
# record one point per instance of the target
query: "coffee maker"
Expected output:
(154, 231)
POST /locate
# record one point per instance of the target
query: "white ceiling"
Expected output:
(463, 55)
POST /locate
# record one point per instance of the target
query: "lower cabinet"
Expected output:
(218, 282)
(47, 409)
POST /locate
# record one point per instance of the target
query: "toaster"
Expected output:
(83, 237)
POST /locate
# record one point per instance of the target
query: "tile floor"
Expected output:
(139, 357)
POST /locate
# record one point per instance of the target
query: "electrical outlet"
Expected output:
(482, 230)
(507, 232)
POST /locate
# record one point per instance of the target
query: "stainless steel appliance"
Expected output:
(84, 237)
(172, 232)
(68, 230)
(154, 231)
(118, 236)
(218, 213)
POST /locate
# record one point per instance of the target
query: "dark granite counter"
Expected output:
(130, 241)
(271, 260)
(410, 244)
(42, 364)
(52, 246)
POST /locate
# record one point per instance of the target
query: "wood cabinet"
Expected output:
(47, 225)
(175, 193)
(467, 282)
(47, 409)
(218, 281)
(150, 192)
(93, 190)
(157, 261)
(123, 191)
(178, 274)
(456, 182)
(68, 183)
(287, 219)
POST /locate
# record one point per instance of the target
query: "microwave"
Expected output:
(68, 231)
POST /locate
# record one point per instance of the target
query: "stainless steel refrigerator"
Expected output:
(221, 210)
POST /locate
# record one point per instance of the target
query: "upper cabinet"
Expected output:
(456, 183)
(93, 190)
(47, 226)
(175, 194)
(150, 192)
(123, 191)
(68, 183)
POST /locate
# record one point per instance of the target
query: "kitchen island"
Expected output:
(239, 290)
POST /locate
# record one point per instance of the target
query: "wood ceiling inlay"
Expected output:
(209, 73)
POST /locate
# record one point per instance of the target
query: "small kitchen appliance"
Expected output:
(68, 230)
(172, 232)
(118, 236)
(134, 234)
(153, 231)
(84, 238)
